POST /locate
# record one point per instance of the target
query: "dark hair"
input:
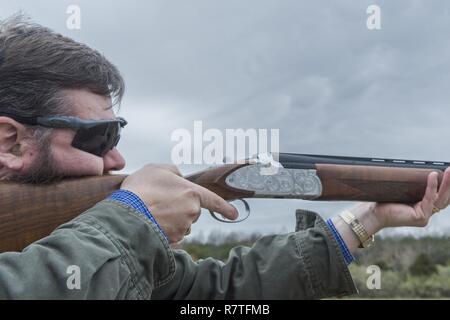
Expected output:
(37, 64)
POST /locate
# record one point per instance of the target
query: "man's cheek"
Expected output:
(79, 163)
(71, 161)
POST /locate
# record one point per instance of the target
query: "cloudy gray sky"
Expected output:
(310, 68)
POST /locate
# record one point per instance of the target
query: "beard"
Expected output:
(44, 170)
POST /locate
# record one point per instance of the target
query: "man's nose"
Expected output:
(113, 160)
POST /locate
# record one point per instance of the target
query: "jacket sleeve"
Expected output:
(305, 264)
(109, 252)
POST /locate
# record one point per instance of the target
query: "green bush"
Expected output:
(422, 266)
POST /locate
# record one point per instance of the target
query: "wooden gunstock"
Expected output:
(370, 183)
(31, 212)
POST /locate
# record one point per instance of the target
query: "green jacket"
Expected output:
(113, 252)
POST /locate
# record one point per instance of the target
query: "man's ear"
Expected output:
(12, 134)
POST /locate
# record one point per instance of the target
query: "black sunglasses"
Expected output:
(94, 136)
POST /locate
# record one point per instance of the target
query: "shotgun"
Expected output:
(30, 212)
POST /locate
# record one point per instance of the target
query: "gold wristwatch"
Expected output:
(365, 239)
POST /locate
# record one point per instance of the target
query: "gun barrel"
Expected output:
(309, 161)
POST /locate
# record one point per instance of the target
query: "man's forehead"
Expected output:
(85, 104)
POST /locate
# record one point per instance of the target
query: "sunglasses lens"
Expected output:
(97, 140)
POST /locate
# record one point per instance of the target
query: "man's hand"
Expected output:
(416, 215)
(385, 215)
(174, 202)
(377, 216)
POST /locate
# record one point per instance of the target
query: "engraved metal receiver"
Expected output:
(267, 178)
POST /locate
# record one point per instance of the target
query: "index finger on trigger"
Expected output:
(210, 200)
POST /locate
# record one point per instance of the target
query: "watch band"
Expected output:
(365, 239)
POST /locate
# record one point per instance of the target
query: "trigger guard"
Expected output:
(247, 210)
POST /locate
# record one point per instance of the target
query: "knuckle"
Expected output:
(218, 204)
(175, 169)
(194, 210)
(170, 167)
(186, 227)
(421, 221)
(191, 193)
